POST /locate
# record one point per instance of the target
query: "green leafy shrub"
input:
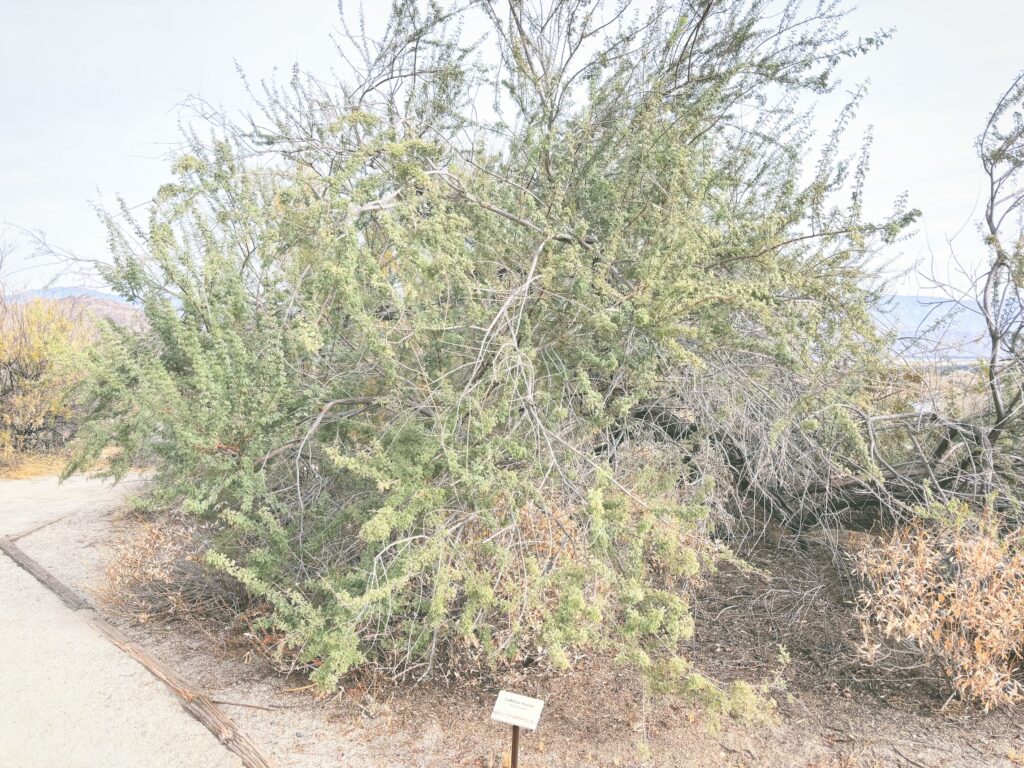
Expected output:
(435, 375)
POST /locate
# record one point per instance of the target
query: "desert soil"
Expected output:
(834, 714)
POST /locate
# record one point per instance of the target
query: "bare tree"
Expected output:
(972, 454)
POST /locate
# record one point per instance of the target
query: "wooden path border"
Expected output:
(196, 703)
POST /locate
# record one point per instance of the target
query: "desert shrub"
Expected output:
(40, 344)
(952, 582)
(448, 385)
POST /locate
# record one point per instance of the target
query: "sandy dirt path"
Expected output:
(68, 697)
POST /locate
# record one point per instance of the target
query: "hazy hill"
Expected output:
(927, 326)
(86, 302)
(69, 292)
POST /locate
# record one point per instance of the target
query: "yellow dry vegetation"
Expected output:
(952, 584)
(40, 344)
(25, 466)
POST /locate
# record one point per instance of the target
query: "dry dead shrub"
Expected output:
(157, 574)
(40, 350)
(951, 583)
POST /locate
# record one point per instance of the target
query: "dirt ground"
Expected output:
(835, 713)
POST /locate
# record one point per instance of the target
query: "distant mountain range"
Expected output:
(930, 327)
(86, 301)
(68, 292)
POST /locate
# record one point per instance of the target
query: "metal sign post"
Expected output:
(515, 746)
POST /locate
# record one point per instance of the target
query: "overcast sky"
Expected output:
(90, 93)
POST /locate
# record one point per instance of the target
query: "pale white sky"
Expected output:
(91, 90)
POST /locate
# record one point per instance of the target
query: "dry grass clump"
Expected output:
(157, 574)
(25, 466)
(952, 584)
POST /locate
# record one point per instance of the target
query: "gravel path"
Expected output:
(68, 697)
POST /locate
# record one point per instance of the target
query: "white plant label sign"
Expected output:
(514, 709)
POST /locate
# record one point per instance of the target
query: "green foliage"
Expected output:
(425, 367)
